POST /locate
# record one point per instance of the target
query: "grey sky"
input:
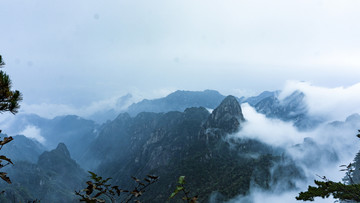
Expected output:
(79, 52)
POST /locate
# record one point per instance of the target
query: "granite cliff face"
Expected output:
(226, 117)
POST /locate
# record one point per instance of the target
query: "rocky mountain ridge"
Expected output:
(191, 143)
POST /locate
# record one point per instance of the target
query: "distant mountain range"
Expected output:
(23, 149)
(184, 133)
(74, 131)
(77, 132)
(178, 101)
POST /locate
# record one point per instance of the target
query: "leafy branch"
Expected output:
(181, 188)
(98, 188)
(326, 188)
(4, 161)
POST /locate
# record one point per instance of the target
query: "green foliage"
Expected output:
(326, 188)
(181, 188)
(9, 99)
(342, 191)
(98, 190)
(1, 61)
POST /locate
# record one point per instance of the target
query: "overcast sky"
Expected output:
(79, 52)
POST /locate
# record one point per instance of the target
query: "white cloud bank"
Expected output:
(33, 132)
(115, 103)
(271, 131)
(329, 103)
(49, 110)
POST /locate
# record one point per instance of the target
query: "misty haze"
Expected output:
(232, 101)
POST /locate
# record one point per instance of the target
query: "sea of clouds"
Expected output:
(331, 144)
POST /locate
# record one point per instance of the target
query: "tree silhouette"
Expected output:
(9, 102)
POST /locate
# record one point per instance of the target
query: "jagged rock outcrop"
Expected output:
(58, 160)
(227, 116)
(225, 119)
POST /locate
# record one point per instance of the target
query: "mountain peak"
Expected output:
(227, 116)
(353, 118)
(62, 149)
(59, 154)
(229, 106)
(58, 160)
(230, 101)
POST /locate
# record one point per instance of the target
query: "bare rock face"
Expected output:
(226, 117)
